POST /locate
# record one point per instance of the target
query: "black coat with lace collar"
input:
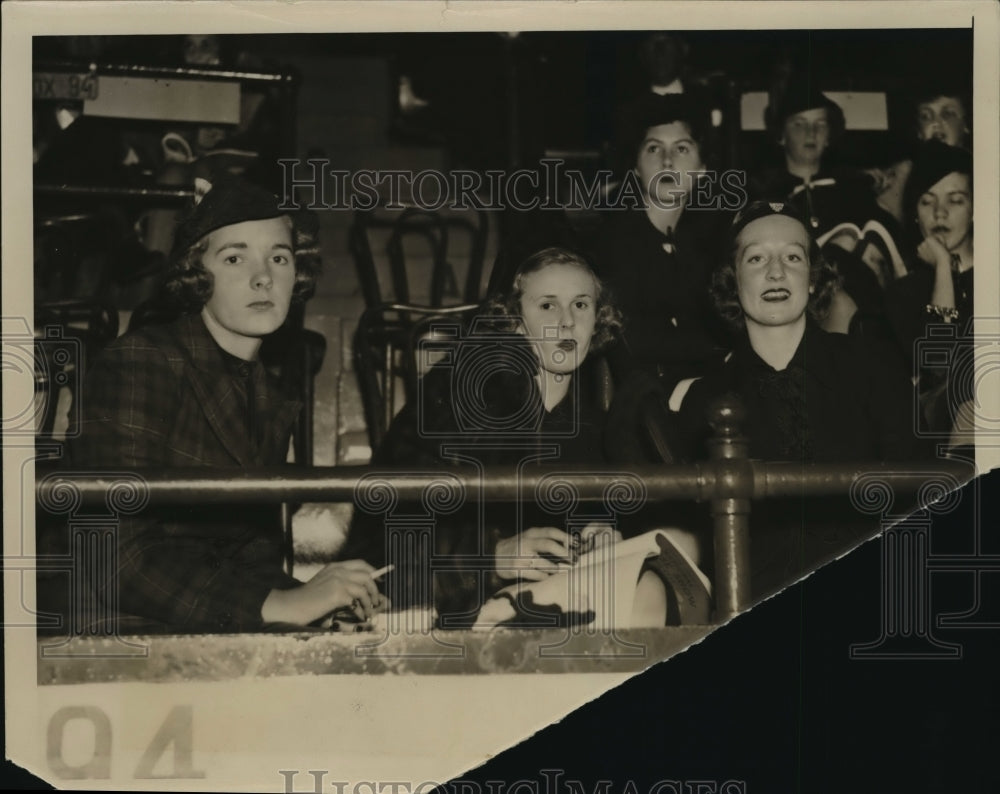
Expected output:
(835, 402)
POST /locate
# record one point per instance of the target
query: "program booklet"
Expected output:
(609, 588)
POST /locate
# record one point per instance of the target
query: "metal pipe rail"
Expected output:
(700, 481)
(728, 484)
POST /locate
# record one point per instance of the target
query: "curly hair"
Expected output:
(654, 110)
(506, 307)
(824, 278)
(189, 285)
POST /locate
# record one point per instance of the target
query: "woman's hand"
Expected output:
(933, 252)
(339, 584)
(534, 554)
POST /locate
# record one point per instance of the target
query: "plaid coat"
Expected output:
(164, 397)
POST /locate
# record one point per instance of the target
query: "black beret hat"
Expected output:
(932, 162)
(228, 200)
(756, 210)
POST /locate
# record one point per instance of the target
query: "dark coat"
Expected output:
(167, 396)
(835, 402)
(941, 355)
(906, 305)
(834, 195)
(439, 431)
(661, 286)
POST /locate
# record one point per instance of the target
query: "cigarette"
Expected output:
(383, 571)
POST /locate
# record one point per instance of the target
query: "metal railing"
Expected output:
(728, 483)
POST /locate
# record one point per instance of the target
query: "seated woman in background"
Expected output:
(939, 288)
(943, 115)
(510, 394)
(806, 125)
(937, 112)
(656, 259)
(808, 395)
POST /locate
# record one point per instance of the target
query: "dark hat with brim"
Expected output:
(800, 95)
(932, 162)
(228, 200)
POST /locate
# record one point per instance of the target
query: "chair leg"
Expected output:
(388, 385)
(306, 419)
(371, 397)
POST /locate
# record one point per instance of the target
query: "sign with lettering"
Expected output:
(51, 85)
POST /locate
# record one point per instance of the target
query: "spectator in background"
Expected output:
(944, 115)
(806, 124)
(938, 113)
(939, 288)
(869, 257)
(664, 57)
(657, 258)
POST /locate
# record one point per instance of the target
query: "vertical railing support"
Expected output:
(730, 509)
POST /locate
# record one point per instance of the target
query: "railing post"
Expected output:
(730, 515)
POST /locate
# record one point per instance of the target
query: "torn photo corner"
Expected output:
(533, 376)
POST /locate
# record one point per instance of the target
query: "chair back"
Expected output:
(395, 344)
(381, 243)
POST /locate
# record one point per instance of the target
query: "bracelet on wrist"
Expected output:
(946, 314)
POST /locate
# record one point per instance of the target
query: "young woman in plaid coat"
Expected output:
(192, 393)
